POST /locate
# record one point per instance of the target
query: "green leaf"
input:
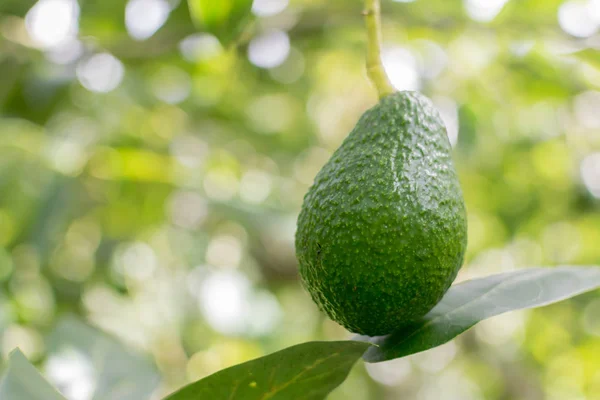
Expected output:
(23, 382)
(119, 373)
(308, 371)
(591, 56)
(224, 18)
(470, 302)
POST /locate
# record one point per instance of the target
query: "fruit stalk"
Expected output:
(375, 69)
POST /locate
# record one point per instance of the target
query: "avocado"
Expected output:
(383, 231)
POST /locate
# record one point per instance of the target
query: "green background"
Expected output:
(150, 181)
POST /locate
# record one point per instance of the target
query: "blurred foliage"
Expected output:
(225, 19)
(150, 180)
(117, 373)
(23, 381)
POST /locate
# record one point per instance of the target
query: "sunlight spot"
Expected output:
(590, 172)
(144, 17)
(577, 18)
(594, 9)
(28, 340)
(231, 307)
(521, 48)
(53, 22)
(138, 261)
(187, 209)
(264, 313)
(72, 373)
(65, 53)
(189, 150)
(452, 384)
(449, 112)
(101, 72)
(221, 184)
(267, 8)
(171, 85)
(437, 359)
(484, 10)
(270, 49)
(292, 68)
(223, 301)
(401, 67)
(67, 156)
(586, 106)
(469, 55)
(255, 186)
(200, 47)
(500, 329)
(433, 58)
(224, 251)
(390, 373)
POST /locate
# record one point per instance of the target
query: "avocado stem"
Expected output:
(375, 69)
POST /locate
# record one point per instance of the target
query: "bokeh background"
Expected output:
(150, 181)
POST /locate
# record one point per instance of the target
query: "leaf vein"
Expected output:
(294, 379)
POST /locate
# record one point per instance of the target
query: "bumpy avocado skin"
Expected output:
(383, 231)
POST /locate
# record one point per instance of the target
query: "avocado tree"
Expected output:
(381, 237)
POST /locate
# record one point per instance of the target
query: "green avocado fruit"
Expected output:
(383, 230)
